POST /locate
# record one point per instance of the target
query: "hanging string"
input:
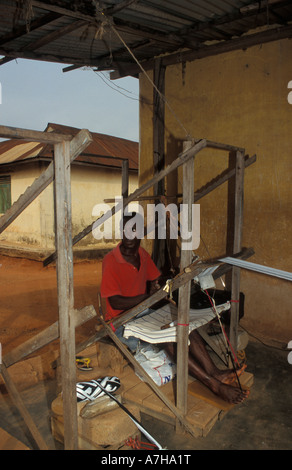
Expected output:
(163, 97)
(227, 342)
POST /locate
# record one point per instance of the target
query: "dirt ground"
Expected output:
(29, 301)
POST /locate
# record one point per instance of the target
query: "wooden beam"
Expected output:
(171, 40)
(220, 179)
(53, 36)
(77, 145)
(185, 293)
(33, 136)
(20, 31)
(13, 392)
(220, 146)
(158, 123)
(120, 6)
(207, 188)
(158, 148)
(273, 34)
(240, 14)
(66, 292)
(46, 336)
(23, 31)
(50, 57)
(237, 241)
(183, 157)
(66, 11)
(125, 178)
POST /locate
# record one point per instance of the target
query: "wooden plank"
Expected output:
(220, 146)
(33, 136)
(21, 30)
(237, 241)
(208, 187)
(77, 145)
(13, 392)
(182, 158)
(220, 179)
(46, 336)
(125, 178)
(50, 37)
(156, 404)
(8, 442)
(158, 148)
(158, 123)
(202, 416)
(273, 34)
(138, 393)
(53, 36)
(65, 292)
(184, 292)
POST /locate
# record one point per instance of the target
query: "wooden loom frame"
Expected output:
(66, 149)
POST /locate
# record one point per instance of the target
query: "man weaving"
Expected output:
(126, 272)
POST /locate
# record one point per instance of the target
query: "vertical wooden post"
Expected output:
(158, 123)
(125, 178)
(184, 293)
(158, 149)
(65, 292)
(237, 241)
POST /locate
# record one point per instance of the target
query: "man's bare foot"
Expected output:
(229, 393)
(228, 376)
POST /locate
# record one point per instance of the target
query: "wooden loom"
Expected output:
(66, 149)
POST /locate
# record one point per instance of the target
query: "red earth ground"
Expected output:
(29, 302)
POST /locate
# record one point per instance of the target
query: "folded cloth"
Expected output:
(148, 327)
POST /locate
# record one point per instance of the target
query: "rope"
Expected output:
(138, 445)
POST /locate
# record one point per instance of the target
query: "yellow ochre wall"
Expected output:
(238, 98)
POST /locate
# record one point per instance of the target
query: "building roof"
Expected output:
(105, 35)
(105, 150)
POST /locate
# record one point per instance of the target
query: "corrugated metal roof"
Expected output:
(80, 32)
(105, 150)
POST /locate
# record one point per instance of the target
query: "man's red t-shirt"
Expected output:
(121, 278)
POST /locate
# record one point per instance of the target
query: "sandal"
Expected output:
(82, 363)
(91, 391)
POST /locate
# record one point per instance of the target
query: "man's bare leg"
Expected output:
(200, 354)
(202, 368)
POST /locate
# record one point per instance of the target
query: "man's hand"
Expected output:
(119, 302)
(154, 287)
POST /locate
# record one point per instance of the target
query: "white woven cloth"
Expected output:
(148, 327)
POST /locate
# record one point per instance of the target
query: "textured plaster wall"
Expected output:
(238, 98)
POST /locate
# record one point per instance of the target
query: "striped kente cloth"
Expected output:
(148, 327)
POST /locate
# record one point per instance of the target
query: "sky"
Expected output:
(35, 93)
